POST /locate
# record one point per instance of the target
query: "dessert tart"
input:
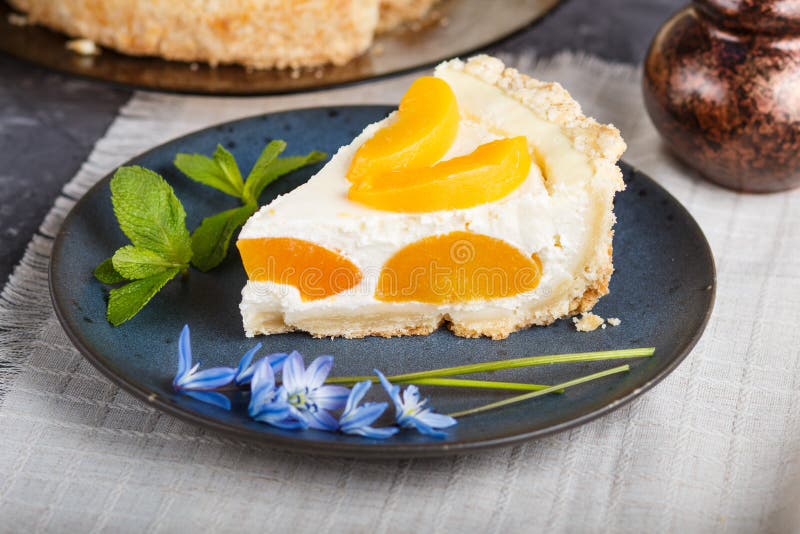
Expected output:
(254, 33)
(485, 202)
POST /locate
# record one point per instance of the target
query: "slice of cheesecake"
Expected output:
(485, 202)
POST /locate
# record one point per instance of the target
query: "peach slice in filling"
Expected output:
(425, 129)
(457, 267)
(316, 272)
(489, 173)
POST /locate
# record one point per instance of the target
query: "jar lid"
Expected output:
(777, 17)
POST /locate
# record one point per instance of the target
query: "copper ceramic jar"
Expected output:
(722, 85)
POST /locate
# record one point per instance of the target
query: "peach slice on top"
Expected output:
(488, 174)
(457, 267)
(317, 272)
(425, 129)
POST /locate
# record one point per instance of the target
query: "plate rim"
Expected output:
(344, 448)
(115, 83)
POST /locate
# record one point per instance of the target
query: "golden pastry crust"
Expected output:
(394, 13)
(551, 102)
(254, 33)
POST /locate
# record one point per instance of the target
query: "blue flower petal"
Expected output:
(244, 377)
(210, 397)
(267, 402)
(392, 391)
(208, 378)
(411, 412)
(294, 372)
(435, 420)
(262, 386)
(286, 424)
(184, 354)
(374, 433)
(320, 419)
(318, 371)
(356, 419)
(244, 372)
(329, 397)
(278, 414)
(362, 416)
(411, 398)
(269, 405)
(263, 377)
(269, 410)
(277, 360)
(422, 428)
(356, 394)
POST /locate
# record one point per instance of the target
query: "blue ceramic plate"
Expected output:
(663, 290)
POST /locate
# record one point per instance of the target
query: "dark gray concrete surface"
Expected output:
(48, 125)
(49, 122)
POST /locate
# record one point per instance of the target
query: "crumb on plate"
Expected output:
(15, 19)
(84, 47)
(588, 322)
(614, 321)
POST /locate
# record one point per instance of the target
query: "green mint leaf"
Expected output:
(106, 273)
(205, 170)
(150, 214)
(267, 174)
(261, 166)
(230, 170)
(211, 239)
(135, 263)
(126, 301)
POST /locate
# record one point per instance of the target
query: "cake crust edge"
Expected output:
(258, 34)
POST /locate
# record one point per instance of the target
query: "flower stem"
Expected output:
(551, 389)
(502, 364)
(478, 384)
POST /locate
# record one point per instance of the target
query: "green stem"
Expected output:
(478, 384)
(502, 364)
(551, 389)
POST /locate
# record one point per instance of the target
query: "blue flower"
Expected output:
(244, 373)
(189, 377)
(411, 410)
(309, 399)
(356, 419)
(268, 404)
(209, 397)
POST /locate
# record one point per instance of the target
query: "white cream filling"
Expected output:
(558, 220)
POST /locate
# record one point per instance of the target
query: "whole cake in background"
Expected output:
(254, 33)
(394, 13)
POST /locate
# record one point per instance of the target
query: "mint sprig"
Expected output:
(210, 241)
(106, 273)
(136, 263)
(152, 217)
(150, 214)
(126, 301)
